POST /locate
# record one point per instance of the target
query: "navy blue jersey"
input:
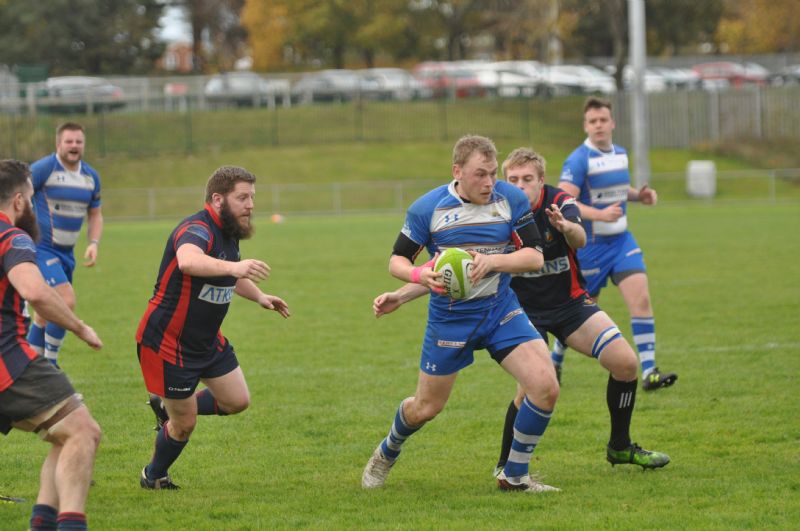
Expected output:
(16, 247)
(61, 200)
(559, 281)
(185, 313)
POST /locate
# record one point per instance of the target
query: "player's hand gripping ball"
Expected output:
(454, 265)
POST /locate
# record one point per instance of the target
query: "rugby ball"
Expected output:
(454, 264)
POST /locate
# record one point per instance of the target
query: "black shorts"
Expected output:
(563, 320)
(168, 380)
(38, 388)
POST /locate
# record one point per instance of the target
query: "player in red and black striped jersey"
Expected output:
(556, 302)
(34, 395)
(179, 343)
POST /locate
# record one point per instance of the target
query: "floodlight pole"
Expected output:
(639, 121)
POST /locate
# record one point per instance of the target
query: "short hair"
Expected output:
(69, 126)
(469, 144)
(521, 157)
(14, 175)
(224, 180)
(593, 102)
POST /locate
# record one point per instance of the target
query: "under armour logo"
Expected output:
(529, 449)
(430, 366)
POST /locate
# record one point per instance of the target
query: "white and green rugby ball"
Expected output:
(454, 264)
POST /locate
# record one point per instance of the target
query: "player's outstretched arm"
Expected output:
(29, 283)
(573, 232)
(519, 261)
(247, 288)
(392, 300)
(193, 261)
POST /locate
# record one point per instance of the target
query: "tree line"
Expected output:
(120, 36)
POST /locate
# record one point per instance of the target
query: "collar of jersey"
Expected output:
(452, 189)
(4, 217)
(80, 165)
(591, 146)
(213, 215)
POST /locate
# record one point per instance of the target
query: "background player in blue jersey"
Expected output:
(66, 190)
(596, 173)
(493, 221)
(179, 342)
(34, 395)
(556, 302)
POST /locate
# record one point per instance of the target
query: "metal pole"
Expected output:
(639, 122)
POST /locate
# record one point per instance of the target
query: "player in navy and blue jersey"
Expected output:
(596, 173)
(179, 343)
(493, 221)
(556, 302)
(34, 395)
(66, 190)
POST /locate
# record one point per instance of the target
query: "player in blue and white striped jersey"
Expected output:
(596, 173)
(493, 221)
(66, 190)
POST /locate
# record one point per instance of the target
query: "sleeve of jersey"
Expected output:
(96, 194)
(18, 248)
(569, 207)
(195, 233)
(39, 173)
(573, 171)
(525, 232)
(415, 233)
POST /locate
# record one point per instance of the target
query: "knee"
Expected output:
(421, 411)
(545, 393)
(236, 406)
(91, 434)
(181, 428)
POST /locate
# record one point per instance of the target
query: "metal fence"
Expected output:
(677, 120)
(395, 196)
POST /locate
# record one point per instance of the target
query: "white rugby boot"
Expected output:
(377, 470)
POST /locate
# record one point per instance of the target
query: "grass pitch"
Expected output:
(326, 382)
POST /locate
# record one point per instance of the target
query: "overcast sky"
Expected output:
(174, 26)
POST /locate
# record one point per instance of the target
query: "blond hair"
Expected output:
(469, 144)
(521, 157)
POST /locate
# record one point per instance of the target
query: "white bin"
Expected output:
(701, 178)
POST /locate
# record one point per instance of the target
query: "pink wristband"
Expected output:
(415, 274)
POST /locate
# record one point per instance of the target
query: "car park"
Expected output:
(720, 74)
(448, 80)
(395, 84)
(333, 86)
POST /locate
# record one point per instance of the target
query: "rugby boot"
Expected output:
(524, 484)
(636, 455)
(164, 483)
(656, 380)
(377, 470)
(157, 406)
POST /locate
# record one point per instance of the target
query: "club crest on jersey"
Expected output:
(216, 294)
(548, 235)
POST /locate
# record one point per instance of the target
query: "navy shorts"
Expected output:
(170, 380)
(563, 320)
(452, 337)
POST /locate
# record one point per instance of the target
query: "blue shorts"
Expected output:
(452, 337)
(56, 268)
(616, 257)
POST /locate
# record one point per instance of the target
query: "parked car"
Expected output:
(583, 78)
(70, 94)
(395, 84)
(333, 85)
(678, 78)
(444, 79)
(497, 80)
(654, 81)
(721, 73)
(788, 75)
(532, 69)
(245, 89)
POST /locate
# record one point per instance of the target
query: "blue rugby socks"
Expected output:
(557, 354)
(399, 432)
(36, 338)
(529, 426)
(53, 338)
(644, 335)
(167, 451)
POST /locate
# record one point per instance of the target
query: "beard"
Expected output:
(232, 226)
(27, 222)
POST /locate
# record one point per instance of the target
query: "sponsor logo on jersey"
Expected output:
(450, 344)
(23, 241)
(566, 175)
(551, 267)
(216, 294)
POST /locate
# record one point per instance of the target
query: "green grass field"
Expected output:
(325, 385)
